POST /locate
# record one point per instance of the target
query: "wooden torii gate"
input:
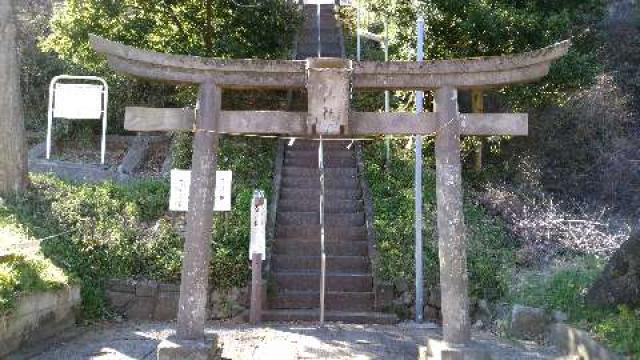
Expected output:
(329, 82)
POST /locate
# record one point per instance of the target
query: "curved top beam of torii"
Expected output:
(482, 72)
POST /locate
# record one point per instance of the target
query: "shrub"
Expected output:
(564, 287)
(489, 252)
(22, 274)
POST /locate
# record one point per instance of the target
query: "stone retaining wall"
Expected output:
(151, 300)
(37, 317)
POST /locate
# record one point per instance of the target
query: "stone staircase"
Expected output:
(295, 263)
(331, 33)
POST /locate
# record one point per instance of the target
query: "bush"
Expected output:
(101, 231)
(564, 289)
(489, 252)
(21, 274)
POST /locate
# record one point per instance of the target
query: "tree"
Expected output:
(13, 155)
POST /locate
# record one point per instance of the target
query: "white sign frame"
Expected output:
(82, 113)
(181, 187)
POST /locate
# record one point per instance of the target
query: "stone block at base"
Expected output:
(440, 350)
(177, 349)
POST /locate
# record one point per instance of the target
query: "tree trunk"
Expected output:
(13, 154)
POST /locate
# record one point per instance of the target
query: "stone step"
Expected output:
(326, 33)
(313, 162)
(310, 52)
(332, 233)
(304, 182)
(311, 9)
(313, 218)
(313, 145)
(315, 173)
(313, 154)
(349, 317)
(311, 247)
(351, 282)
(312, 263)
(327, 21)
(313, 195)
(311, 43)
(330, 207)
(342, 301)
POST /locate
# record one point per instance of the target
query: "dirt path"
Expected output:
(275, 341)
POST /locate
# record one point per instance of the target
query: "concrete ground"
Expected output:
(138, 340)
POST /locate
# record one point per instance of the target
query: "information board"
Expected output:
(181, 184)
(78, 101)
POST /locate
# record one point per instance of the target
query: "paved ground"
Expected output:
(131, 340)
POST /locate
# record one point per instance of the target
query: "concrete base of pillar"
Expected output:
(440, 350)
(177, 349)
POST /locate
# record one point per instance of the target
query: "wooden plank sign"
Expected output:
(181, 184)
(257, 243)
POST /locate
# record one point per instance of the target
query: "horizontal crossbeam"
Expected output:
(295, 123)
(482, 72)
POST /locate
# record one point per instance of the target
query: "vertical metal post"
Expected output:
(358, 43)
(52, 89)
(318, 24)
(103, 141)
(323, 258)
(418, 185)
(477, 106)
(194, 285)
(387, 98)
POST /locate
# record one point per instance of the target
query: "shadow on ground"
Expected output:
(133, 340)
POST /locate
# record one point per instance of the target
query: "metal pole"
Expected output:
(418, 183)
(358, 44)
(322, 249)
(103, 141)
(387, 98)
(318, 26)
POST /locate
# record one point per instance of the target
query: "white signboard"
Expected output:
(181, 184)
(223, 191)
(257, 243)
(321, 2)
(78, 101)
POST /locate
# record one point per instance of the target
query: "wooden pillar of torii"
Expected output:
(328, 82)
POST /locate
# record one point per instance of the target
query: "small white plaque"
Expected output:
(78, 101)
(181, 184)
(321, 2)
(257, 244)
(223, 191)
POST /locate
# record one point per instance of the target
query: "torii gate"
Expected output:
(328, 82)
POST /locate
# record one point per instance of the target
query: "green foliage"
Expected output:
(193, 27)
(490, 252)
(458, 29)
(251, 160)
(20, 274)
(564, 289)
(101, 231)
